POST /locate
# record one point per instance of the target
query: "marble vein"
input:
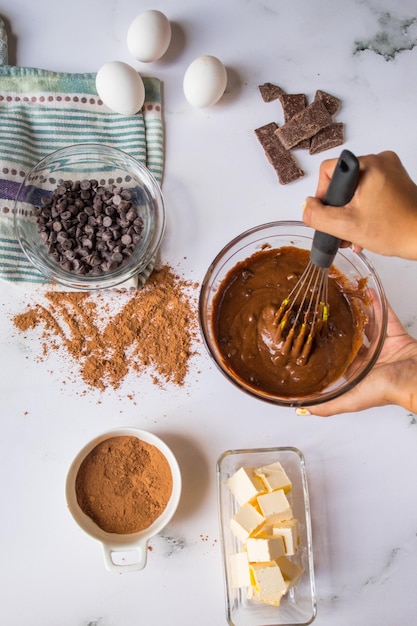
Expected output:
(385, 572)
(395, 35)
(173, 544)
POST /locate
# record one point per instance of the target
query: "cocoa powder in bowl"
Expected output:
(124, 484)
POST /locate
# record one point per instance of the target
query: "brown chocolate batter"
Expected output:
(244, 309)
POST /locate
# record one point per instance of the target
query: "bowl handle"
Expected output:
(129, 558)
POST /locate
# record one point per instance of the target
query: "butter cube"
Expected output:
(239, 570)
(290, 570)
(274, 477)
(245, 521)
(289, 530)
(261, 550)
(245, 485)
(275, 506)
(268, 582)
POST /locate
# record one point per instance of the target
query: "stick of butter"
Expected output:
(245, 485)
(275, 506)
(290, 570)
(261, 550)
(269, 585)
(245, 521)
(274, 477)
(289, 530)
(239, 570)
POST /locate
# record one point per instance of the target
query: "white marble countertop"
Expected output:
(361, 467)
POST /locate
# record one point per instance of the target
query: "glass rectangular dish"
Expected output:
(298, 606)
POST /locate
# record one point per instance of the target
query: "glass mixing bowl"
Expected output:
(354, 266)
(109, 167)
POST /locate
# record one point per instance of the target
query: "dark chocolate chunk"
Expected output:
(304, 124)
(282, 160)
(293, 103)
(270, 92)
(328, 138)
(331, 103)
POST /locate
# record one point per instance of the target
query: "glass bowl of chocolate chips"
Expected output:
(89, 216)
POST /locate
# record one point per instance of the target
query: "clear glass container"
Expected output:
(354, 266)
(298, 606)
(108, 166)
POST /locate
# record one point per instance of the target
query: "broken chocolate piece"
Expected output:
(331, 103)
(304, 124)
(270, 92)
(293, 103)
(328, 138)
(282, 160)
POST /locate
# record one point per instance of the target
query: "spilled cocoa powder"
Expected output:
(124, 484)
(154, 330)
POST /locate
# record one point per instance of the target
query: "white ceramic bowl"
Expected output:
(132, 545)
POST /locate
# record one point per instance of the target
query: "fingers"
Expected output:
(369, 393)
(325, 173)
(334, 220)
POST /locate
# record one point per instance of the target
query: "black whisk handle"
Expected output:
(340, 191)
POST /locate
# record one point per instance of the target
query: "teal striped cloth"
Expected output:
(42, 111)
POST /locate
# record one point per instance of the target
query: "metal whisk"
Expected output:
(306, 308)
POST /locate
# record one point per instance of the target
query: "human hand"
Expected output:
(392, 380)
(382, 215)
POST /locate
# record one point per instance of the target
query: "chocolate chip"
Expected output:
(86, 243)
(66, 245)
(126, 240)
(131, 215)
(62, 236)
(109, 210)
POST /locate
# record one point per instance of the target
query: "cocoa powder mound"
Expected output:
(155, 330)
(124, 484)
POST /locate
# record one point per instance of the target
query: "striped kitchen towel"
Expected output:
(42, 111)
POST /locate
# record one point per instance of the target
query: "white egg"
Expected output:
(205, 81)
(149, 36)
(120, 87)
